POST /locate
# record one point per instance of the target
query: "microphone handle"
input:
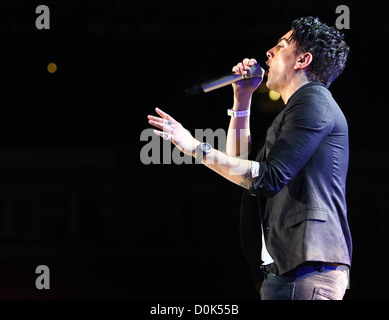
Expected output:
(221, 81)
(215, 83)
(254, 71)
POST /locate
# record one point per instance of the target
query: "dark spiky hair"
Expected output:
(327, 46)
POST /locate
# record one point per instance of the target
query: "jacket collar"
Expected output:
(309, 84)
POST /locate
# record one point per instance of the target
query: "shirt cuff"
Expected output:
(254, 169)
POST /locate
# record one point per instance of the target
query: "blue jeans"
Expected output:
(319, 282)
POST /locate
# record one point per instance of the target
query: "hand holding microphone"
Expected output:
(248, 70)
(250, 84)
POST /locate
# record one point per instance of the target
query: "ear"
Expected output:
(303, 61)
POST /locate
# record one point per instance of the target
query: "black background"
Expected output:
(74, 193)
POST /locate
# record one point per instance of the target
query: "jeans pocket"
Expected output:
(277, 292)
(325, 294)
(277, 288)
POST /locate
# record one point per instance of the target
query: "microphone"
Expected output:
(252, 72)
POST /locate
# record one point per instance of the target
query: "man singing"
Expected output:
(294, 228)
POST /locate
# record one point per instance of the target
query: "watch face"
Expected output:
(206, 147)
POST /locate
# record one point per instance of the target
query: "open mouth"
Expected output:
(267, 69)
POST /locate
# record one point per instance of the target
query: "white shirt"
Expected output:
(265, 256)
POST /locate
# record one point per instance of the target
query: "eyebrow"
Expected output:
(279, 40)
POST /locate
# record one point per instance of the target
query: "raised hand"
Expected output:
(174, 131)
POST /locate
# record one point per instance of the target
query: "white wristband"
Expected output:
(238, 114)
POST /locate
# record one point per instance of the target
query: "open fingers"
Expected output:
(165, 115)
(157, 122)
(164, 123)
(167, 127)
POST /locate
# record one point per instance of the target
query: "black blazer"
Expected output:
(300, 190)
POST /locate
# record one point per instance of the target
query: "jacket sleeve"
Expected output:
(304, 127)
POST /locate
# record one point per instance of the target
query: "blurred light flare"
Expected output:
(51, 67)
(273, 95)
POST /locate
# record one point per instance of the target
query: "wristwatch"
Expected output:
(202, 150)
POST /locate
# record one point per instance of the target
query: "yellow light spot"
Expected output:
(52, 67)
(274, 95)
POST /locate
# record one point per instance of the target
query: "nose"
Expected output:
(270, 54)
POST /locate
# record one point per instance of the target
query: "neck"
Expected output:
(292, 87)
